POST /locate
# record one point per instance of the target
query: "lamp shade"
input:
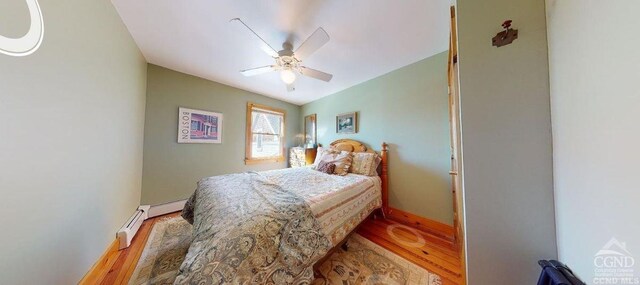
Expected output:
(287, 76)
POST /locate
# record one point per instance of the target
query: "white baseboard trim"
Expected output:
(166, 208)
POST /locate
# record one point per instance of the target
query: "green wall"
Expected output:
(171, 170)
(72, 119)
(506, 138)
(407, 108)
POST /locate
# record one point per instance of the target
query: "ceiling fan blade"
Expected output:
(315, 74)
(312, 44)
(257, 70)
(263, 44)
(291, 87)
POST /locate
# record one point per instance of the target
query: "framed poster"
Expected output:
(347, 123)
(197, 126)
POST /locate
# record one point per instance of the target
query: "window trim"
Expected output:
(248, 134)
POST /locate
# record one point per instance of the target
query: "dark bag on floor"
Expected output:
(556, 273)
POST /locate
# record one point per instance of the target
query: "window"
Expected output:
(265, 134)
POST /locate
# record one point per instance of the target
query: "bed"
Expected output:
(272, 227)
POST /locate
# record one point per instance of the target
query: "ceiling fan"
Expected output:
(288, 62)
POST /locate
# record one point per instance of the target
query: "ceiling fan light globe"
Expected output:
(287, 76)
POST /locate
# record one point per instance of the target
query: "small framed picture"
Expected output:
(347, 123)
(197, 126)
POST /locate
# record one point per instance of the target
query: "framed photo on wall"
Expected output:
(347, 123)
(197, 126)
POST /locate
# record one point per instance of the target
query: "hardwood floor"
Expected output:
(423, 249)
(435, 255)
(121, 265)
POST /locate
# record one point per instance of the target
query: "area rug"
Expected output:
(364, 263)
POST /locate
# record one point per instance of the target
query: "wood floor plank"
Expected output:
(101, 268)
(432, 266)
(130, 264)
(121, 269)
(434, 256)
(427, 261)
(437, 229)
(444, 245)
(134, 261)
(129, 256)
(428, 249)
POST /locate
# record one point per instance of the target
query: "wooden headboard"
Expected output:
(356, 146)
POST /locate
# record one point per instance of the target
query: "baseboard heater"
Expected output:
(131, 227)
(166, 208)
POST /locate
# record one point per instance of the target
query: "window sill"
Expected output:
(263, 160)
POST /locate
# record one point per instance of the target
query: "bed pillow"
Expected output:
(320, 152)
(326, 167)
(365, 163)
(342, 160)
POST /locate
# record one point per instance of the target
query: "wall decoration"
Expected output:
(31, 41)
(197, 126)
(507, 36)
(347, 123)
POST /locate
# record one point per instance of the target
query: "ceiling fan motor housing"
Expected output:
(287, 62)
(285, 52)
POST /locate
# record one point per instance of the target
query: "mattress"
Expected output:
(339, 203)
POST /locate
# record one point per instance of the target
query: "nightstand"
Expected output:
(299, 156)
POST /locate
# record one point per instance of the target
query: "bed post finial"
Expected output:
(384, 176)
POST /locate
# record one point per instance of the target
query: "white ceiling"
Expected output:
(368, 38)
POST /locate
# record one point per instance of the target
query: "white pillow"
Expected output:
(319, 154)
